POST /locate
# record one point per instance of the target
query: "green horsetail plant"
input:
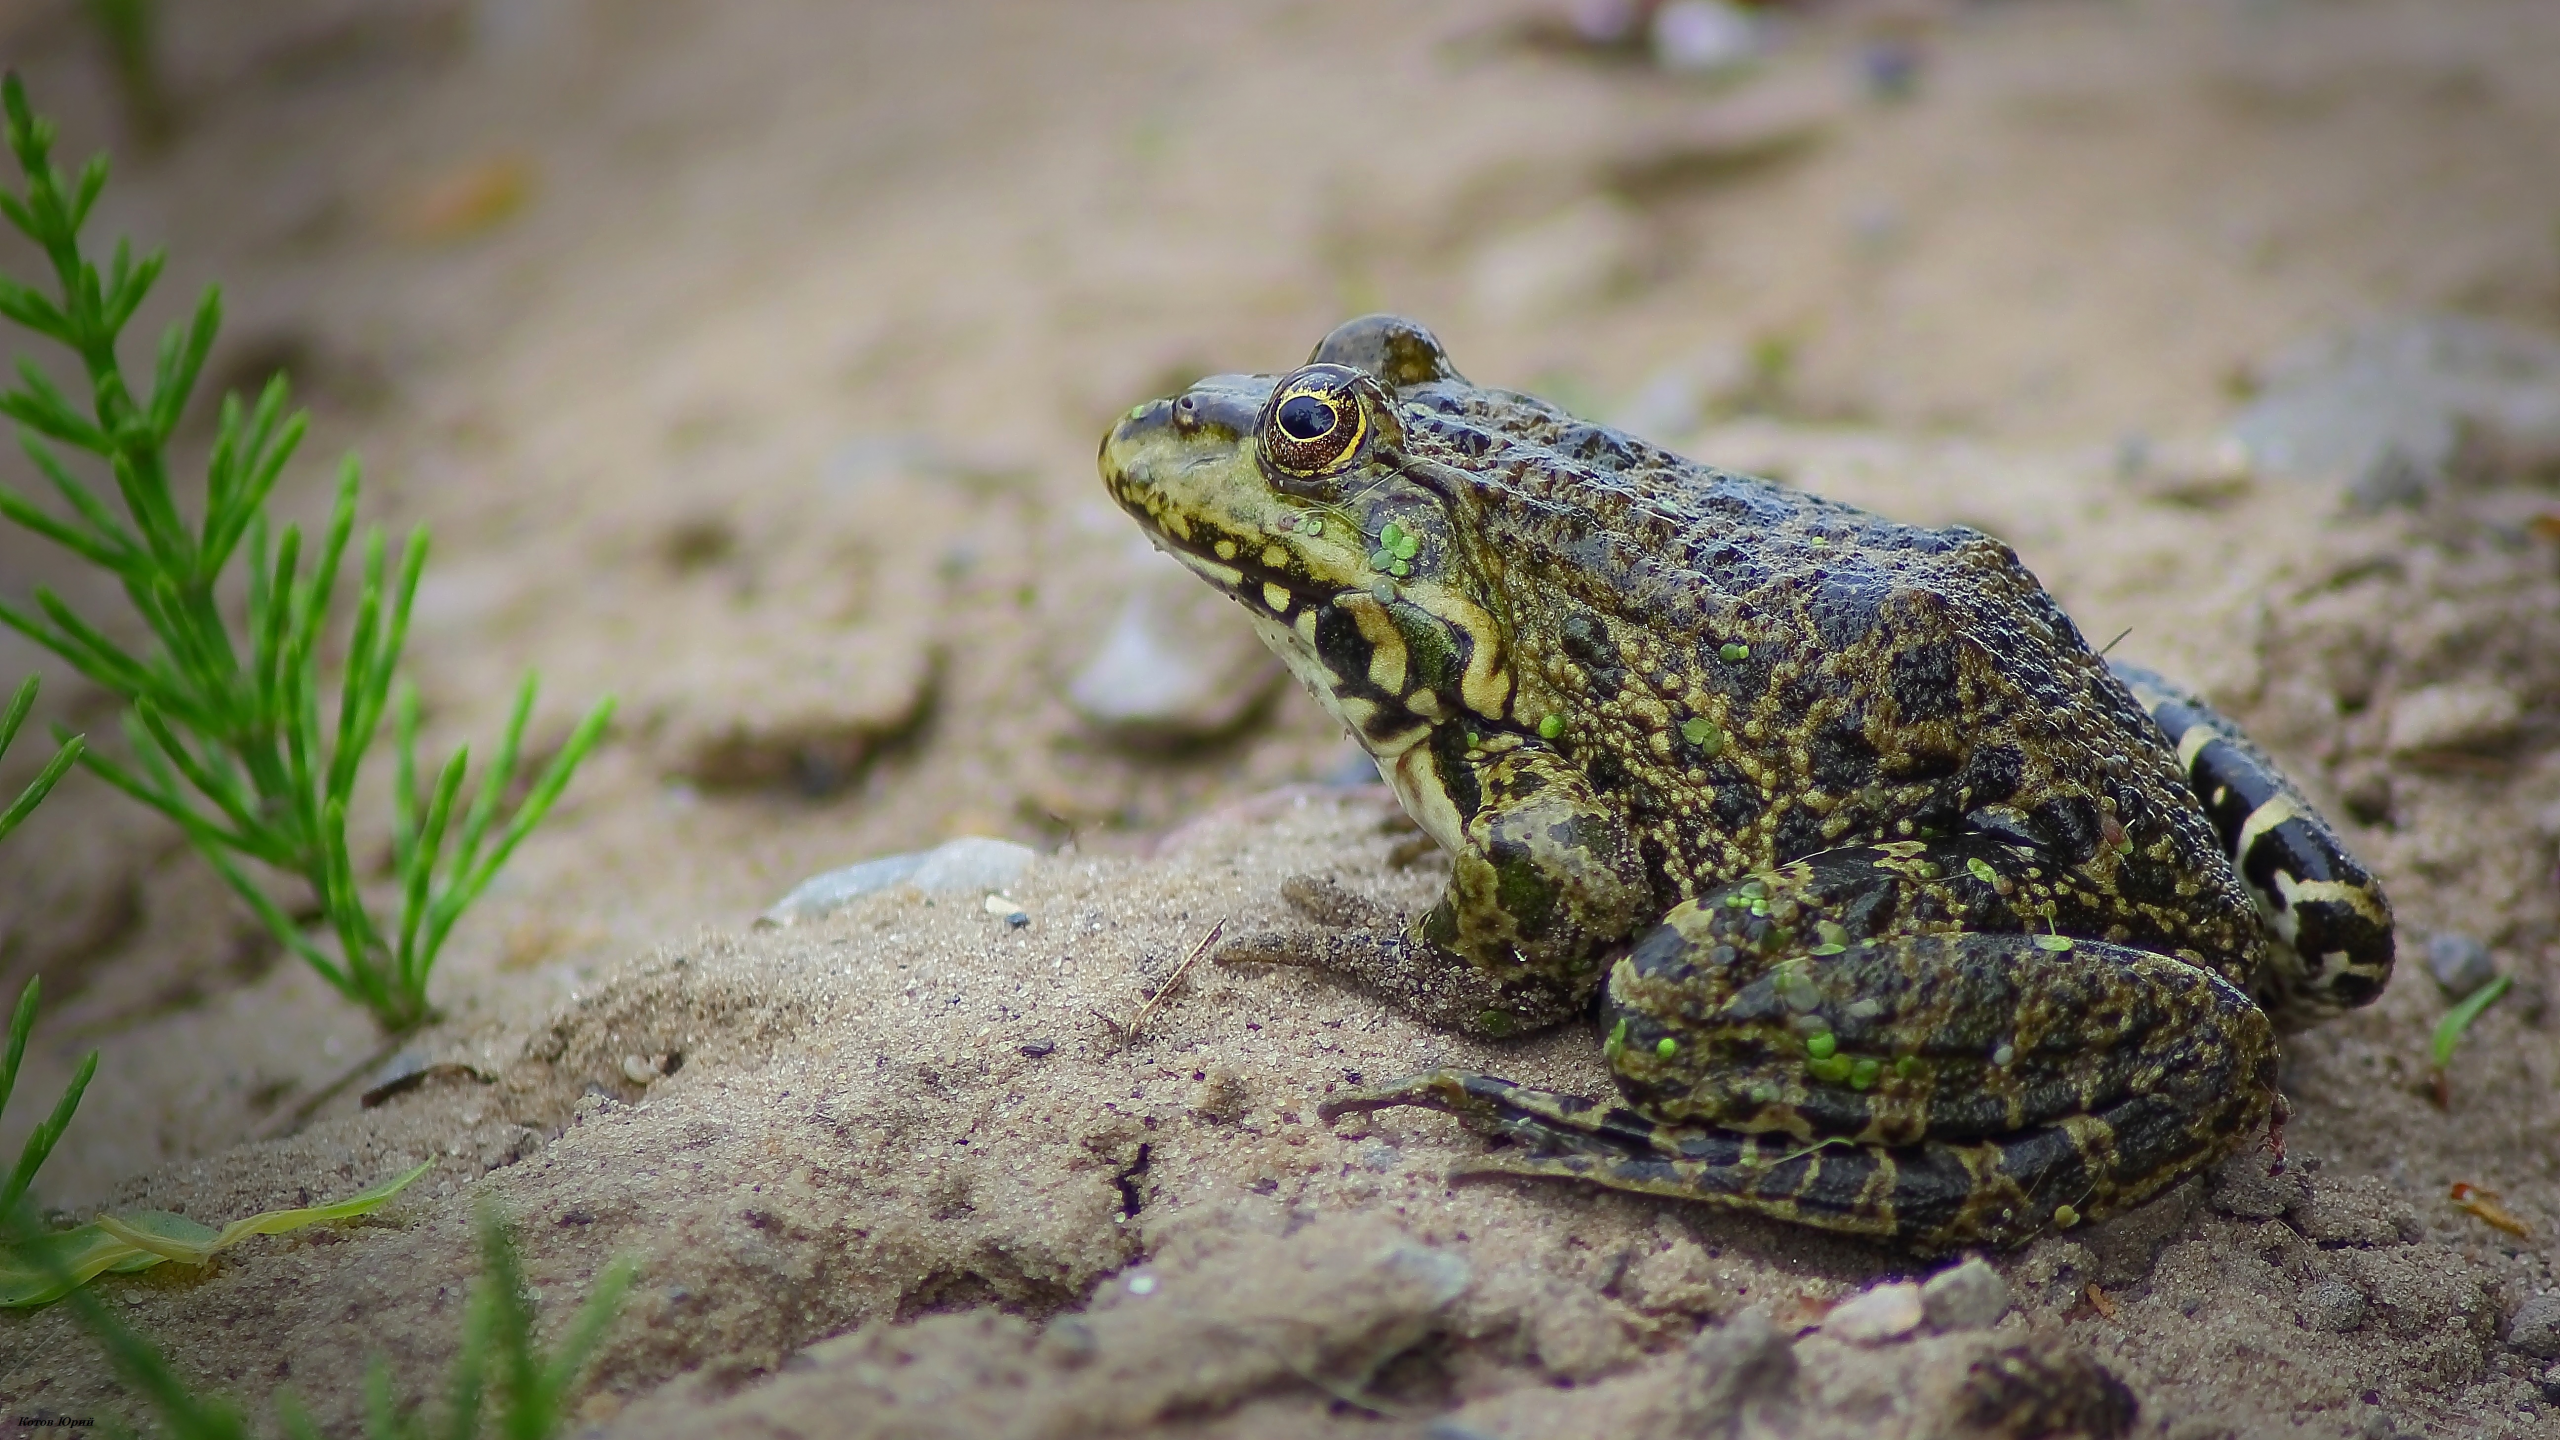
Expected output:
(225, 720)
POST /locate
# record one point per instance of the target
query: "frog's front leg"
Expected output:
(1544, 885)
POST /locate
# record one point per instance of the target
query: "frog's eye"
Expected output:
(1316, 420)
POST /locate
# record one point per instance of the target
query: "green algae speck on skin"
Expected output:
(1666, 1047)
(1734, 654)
(1980, 869)
(1551, 726)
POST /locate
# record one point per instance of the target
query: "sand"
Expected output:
(747, 363)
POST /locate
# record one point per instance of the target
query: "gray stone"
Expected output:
(2459, 963)
(2536, 1328)
(2242, 1187)
(970, 863)
(1177, 662)
(2387, 408)
(1970, 1296)
(2333, 1305)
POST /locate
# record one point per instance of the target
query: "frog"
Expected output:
(1900, 911)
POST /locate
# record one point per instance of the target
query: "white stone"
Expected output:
(2473, 715)
(1878, 1316)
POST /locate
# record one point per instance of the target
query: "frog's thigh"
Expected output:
(2328, 914)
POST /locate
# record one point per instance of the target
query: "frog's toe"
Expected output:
(1427, 983)
(1544, 1121)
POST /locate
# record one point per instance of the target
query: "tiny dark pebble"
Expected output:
(578, 1217)
(1037, 1048)
(1017, 919)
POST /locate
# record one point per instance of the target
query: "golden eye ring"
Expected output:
(1315, 421)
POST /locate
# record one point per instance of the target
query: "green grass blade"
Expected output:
(41, 786)
(147, 1370)
(103, 554)
(43, 1266)
(41, 408)
(80, 646)
(16, 715)
(493, 785)
(471, 1367)
(367, 678)
(418, 906)
(464, 889)
(510, 1335)
(40, 1141)
(585, 1332)
(2458, 1019)
(162, 796)
(296, 1422)
(130, 286)
(22, 1022)
(220, 789)
(404, 783)
(105, 529)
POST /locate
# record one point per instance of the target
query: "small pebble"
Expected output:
(972, 862)
(1699, 37)
(1037, 1048)
(2459, 963)
(2536, 1328)
(1141, 1284)
(1877, 1316)
(1971, 1296)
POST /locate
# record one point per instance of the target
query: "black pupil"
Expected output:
(1304, 417)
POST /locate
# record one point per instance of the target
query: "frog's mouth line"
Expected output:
(1259, 587)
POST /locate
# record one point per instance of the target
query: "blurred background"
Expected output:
(747, 361)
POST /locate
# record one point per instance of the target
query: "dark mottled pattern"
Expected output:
(1902, 913)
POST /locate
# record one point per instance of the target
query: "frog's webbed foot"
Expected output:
(1370, 947)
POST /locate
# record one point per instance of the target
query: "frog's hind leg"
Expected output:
(2326, 912)
(1928, 1198)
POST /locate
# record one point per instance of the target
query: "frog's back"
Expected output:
(1758, 674)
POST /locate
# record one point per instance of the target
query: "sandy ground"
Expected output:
(747, 362)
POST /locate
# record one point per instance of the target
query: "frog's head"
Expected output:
(1298, 496)
(1257, 480)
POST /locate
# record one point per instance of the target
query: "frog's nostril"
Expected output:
(1186, 412)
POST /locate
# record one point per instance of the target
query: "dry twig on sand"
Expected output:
(1129, 1032)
